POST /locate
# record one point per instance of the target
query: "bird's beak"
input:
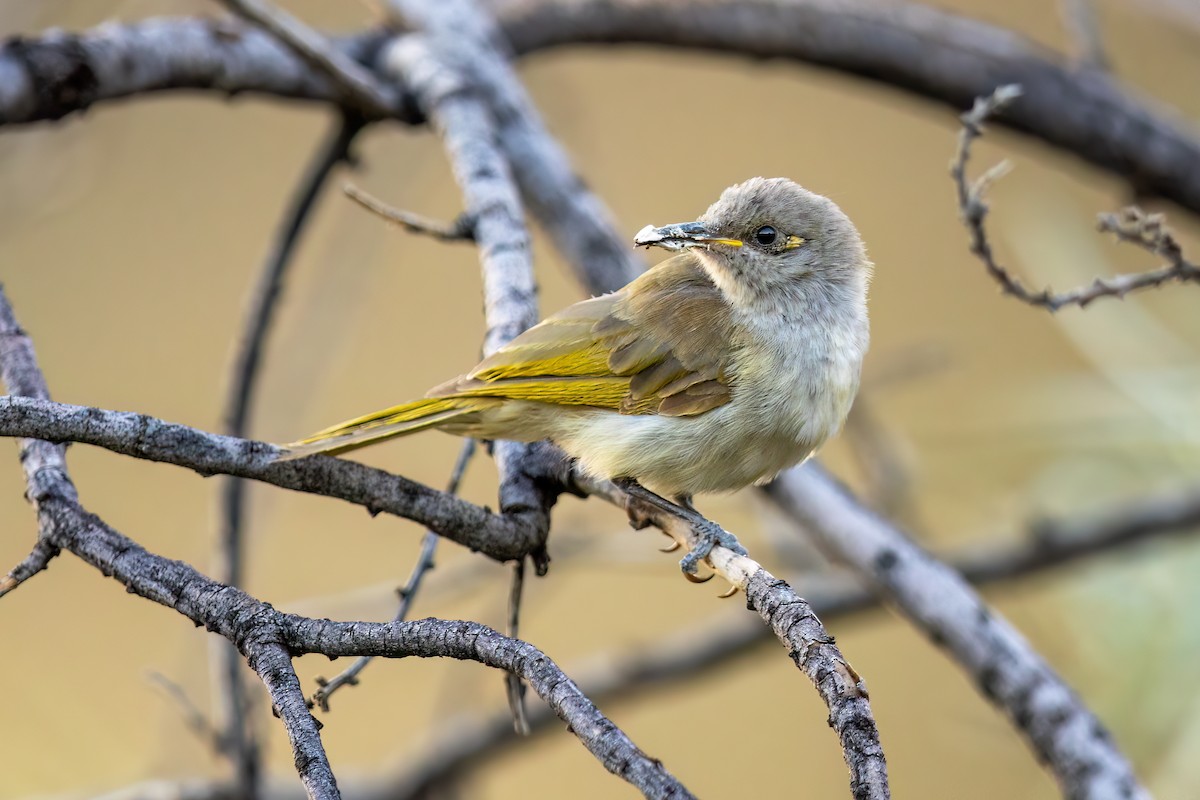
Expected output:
(680, 236)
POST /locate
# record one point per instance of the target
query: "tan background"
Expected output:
(130, 236)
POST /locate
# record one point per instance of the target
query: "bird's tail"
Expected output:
(419, 415)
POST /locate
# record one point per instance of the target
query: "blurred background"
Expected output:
(131, 236)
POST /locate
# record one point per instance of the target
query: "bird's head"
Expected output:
(768, 237)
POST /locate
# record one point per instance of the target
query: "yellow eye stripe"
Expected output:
(794, 242)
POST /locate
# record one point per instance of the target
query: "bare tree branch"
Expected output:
(1132, 225)
(44, 463)
(269, 639)
(580, 223)
(460, 745)
(1064, 734)
(923, 50)
(811, 647)
(498, 536)
(360, 87)
(57, 74)
(935, 54)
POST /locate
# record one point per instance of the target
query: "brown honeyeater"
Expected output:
(716, 369)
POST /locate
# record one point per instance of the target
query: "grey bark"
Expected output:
(1063, 733)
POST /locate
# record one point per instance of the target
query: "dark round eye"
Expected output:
(765, 235)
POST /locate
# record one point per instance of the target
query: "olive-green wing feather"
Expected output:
(661, 345)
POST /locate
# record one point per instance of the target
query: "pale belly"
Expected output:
(720, 451)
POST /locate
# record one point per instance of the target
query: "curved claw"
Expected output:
(671, 548)
(697, 579)
(733, 589)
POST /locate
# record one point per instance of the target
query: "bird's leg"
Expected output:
(708, 533)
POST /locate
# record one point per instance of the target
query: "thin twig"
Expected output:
(38, 559)
(243, 747)
(462, 229)
(193, 717)
(1079, 18)
(360, 86)
(514, 687)
(1131, 224)
(406, 593)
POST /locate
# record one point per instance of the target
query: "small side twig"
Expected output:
(193, 717)
(462, 229)
(406, 593)
(514, 688)
(38, 559)
(360, 87)
(1079, 18)
(1131, 224)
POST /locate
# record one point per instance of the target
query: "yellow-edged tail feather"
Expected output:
(400, 420)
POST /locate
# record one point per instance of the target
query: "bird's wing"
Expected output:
(661, 345)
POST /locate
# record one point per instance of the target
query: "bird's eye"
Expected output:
(765, 235)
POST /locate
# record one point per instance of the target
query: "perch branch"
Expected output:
(1131, 224)
(796, 626)
(459, 746)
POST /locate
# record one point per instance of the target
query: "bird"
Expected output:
(715, 369)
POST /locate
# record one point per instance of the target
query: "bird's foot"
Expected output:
(708, 533)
